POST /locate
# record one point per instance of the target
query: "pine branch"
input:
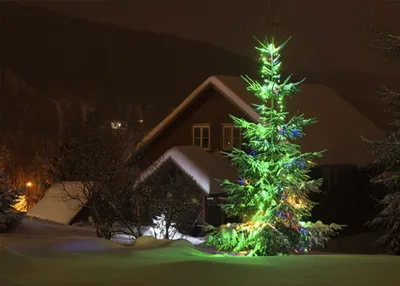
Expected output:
(387, 42)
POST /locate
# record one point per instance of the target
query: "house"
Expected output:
(202, 120)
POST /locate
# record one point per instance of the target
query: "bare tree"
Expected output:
(176, 200)
(96, 156)
(114, 192)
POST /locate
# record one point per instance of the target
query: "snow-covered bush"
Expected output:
(159, 229)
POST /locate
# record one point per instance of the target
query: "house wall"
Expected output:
(211, 107)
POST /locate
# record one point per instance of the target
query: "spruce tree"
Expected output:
(8, 198)
(387, 161)
(271, 196)
(387, 152)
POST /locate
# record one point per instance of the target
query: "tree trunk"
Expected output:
(167, 224)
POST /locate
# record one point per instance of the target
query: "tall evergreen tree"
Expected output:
(271, 197)
(387, 154)
(387, 161)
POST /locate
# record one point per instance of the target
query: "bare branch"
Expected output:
(95, 156)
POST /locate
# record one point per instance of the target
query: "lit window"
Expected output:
(231, 137)
(116, 125)
(201, 136)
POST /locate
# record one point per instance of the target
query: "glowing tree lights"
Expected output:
(271, 196)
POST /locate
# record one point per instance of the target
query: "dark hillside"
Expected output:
(68, 57)
(73, 66)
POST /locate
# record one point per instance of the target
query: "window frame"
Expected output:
(202, 126)
(232, 136)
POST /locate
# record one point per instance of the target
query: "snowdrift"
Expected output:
(66, 260)
(154, 262)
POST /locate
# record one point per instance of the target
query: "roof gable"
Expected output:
(205, 168)
(214, 82)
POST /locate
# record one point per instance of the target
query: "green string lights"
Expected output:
(271, 196)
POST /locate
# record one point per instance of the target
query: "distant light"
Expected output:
(116, 125)
(29, 184)
(140, 120)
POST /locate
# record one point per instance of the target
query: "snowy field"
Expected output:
(44, 254)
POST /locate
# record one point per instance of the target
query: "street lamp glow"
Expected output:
(29, 184)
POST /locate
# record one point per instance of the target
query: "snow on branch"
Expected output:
(387, 41)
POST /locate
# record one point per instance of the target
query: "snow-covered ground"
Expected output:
(44, 254)
(33, 227)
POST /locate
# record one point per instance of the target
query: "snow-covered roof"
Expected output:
(57, 205)
(204, 167)
(339, 125)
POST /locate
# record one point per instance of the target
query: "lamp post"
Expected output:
(29, 185)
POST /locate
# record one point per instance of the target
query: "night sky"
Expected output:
(327, 35)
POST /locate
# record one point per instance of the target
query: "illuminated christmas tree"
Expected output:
(271, 196)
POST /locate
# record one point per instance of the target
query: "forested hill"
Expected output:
(68, 57)
(71, 66)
